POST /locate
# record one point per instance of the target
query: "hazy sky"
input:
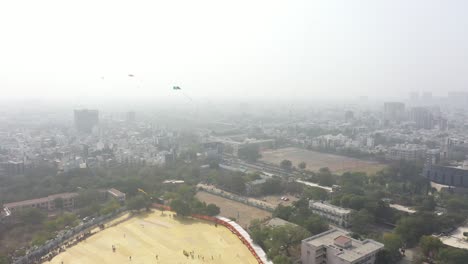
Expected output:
(82, 49)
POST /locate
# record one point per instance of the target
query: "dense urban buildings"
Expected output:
(86, 120)
(394, 112)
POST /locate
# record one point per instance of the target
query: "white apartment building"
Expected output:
(335, 214)
(406, 152)
(336, 247)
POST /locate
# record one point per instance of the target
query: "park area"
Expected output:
(159, 238)
(243, 213)
(316, 160)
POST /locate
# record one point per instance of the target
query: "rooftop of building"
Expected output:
(41, 200)
(355, 251)
(327, 206)
(274, 222)
(116, 192)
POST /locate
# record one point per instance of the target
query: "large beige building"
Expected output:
(336, 247)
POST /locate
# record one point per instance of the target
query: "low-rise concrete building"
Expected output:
(46, 203)
(336, 247)
(335, 214)
(116, 194)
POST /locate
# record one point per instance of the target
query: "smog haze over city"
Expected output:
(242, 49)
(230, 132)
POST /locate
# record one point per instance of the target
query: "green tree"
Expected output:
(282, 260)
(212, 209)
(180, 207)
(393, 242)
(272, 186)
(412, 227)
(430, 244)
(249, 153)
(282, 238)
(41, 237)
(302, 165)
(31, 216)
(137, 202)
(109, 207)
(428, 203)
(360, 221)
(325, 177)
(286, 165)
(259, 233)
(315, 225)
(233, 182)
(452, 256)
(315, 193)
(283, 212)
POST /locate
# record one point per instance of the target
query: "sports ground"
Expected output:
(316, 160)
(156, 238)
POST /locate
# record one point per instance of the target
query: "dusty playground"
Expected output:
(229, 208)
(316, 160)
(156, 238)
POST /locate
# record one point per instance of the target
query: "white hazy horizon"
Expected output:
(232, 49)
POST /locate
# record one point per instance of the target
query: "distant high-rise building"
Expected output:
(458, 99)
(427, 96)
(394, 112)
(86, 119)
(422, 117)
(349, 115)
(414, 96)
(131, 117)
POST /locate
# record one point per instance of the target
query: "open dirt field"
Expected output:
(316, 160)
(143, 237)
(275, 200)
(242, 212)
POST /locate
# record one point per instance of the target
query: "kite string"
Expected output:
(187, 96)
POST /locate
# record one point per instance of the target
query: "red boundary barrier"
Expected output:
(221, 222)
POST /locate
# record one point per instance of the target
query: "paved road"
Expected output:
(410, 256)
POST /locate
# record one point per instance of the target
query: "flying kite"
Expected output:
(178, 88)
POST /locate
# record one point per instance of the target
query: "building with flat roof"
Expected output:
(406, 152)
(116, 194)
(276, 222)
(447, 175)
(334, 214)
(46, 203)
(336, 247)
